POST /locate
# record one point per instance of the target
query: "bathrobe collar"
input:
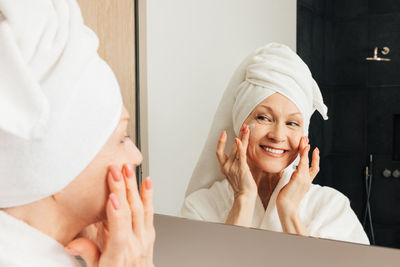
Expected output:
(269, 219)
(23, 245)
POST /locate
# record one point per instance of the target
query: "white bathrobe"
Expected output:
(324, 211)
(22, 245)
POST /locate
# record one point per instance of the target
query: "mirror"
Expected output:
(193, 48)
(191, 56)
(360, 141)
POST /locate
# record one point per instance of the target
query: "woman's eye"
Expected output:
(293, 124)
(124, 139)
(263, 118)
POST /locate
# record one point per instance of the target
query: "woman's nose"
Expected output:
(136, 157)
(276, 134)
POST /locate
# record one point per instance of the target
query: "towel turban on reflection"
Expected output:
(273, 68)
(59, 101)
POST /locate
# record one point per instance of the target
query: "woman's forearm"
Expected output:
(292, 224)
(242, 210)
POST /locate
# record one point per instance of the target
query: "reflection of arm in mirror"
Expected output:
(238, 174)
(272, 90)
(293, 192)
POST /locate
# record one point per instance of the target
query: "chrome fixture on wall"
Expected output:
(385, 50)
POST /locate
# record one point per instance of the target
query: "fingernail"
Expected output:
(72, 251)
(243, 127)
(222, 134)
(236, 141)
(317, 150)
(128, 170)
(115, 173)
(114, 200)
(148, 184)
(251, 126)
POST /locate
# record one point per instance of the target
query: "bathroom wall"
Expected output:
(334, 38)
(114, 24)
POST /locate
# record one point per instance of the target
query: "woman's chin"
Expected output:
(272, 166)
(273, 170)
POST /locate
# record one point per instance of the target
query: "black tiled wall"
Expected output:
(334, 38)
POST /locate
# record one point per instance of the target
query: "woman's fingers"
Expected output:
(241, 151)
(304, 161)
(221, 155)
(129, 226)
(142, 210)
(234, 152)
(232, 155)
(314, 164)
(146, 193)
(134, 200)
(85, 248)
(245, 137)
(303, 143)
(116, 184)
(119, 220)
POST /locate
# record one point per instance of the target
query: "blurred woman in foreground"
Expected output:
(66, 161)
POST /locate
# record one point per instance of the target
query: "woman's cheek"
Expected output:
(252, 145)
(296, 140)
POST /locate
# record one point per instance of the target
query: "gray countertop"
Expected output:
(182, 242)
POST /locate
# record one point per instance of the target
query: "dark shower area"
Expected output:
(334, 38)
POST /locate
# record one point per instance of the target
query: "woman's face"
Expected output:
(87, 194)
(275, 137)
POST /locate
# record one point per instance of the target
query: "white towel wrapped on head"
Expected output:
(59, 101)
(275, 68)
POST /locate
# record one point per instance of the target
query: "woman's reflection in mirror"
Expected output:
(264, 180)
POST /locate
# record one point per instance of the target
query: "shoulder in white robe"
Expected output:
(324, 211)
(22, 245)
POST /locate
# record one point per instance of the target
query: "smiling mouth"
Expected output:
(273, 150)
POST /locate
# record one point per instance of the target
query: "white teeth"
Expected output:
(276, 151)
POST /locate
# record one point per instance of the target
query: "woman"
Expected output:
(66, 161)
(266, 180)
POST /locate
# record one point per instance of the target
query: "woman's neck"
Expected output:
(50, 220)
(266, 183)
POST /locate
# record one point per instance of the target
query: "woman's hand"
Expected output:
(237, 172)
(234, 166)
(291, 194)
(128, 235)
